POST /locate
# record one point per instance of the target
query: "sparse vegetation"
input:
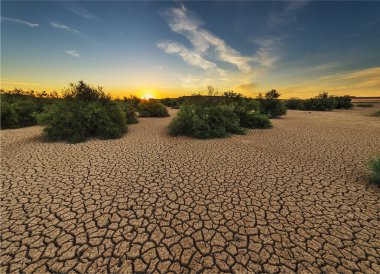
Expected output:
(218, 116)
(84, 112)
(375, 113)
(321, 102)
(271, 105)
(294, 103)
(209, 122)
(173, 103)
(130, 112)
(152, 108)
(18, 107)
(375, 167)
(252, 119)
(132, 101)
(364, 105)
(343, 102)
(9, 117)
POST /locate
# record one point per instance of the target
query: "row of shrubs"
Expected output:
(268, 104)
(321, 102)
(219, 116)
(85, 112)
(18, 107)
(81, 113)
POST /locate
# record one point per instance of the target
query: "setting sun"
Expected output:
(147, 96)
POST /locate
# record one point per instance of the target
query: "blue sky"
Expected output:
(175, 48)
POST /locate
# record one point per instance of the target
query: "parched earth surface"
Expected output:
(294, 198)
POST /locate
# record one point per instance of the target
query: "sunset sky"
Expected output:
(168, 49)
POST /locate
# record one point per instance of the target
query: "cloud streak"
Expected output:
(364, 81)
(80, 11)
(73, 53)
(189, 56)
(19, 21)
(204, 43)
(63, 27)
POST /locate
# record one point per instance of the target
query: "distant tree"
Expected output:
(270, 104)
(294, 103)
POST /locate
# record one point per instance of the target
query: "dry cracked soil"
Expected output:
(294, 198)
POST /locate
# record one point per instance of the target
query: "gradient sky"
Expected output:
(177, 48)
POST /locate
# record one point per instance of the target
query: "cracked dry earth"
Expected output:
(294, 198)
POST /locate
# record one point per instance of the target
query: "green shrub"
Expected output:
(208, 122)
(252, 119)
(152, 108)
(63, 121)
(375, 113)
(365, 105)
(25, 111)
(85, 93)
(294, 103)
(85, 112)
(9, 117)
(130, 113)
(343, 102)
(320, 103)
(173, 103)
(375, 166)
(133, 101)
(271, 105)
(20, 113)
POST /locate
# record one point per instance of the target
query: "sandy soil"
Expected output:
(294, 198)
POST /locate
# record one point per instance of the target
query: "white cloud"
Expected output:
(189, 56)
(80, 11)
(73, 53)
(182, 21)
(64, 27)
(19, 21)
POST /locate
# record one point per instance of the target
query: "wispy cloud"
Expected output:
(17, 83)
(205, 44)
(73, 53)
(287, 14)
(246, 87)
(63, 27)
(19, 21)
(189, 56)
(79, 10)
(364, 81)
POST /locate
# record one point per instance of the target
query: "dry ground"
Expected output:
(294, 198)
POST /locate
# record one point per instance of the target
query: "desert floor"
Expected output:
(294, 198)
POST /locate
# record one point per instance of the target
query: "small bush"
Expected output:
(375, 166)
(294, 103)
(208, 122)
(9, 117)
(133, 101)
(85, 112)
(171, 102)
(320, 103)
(20, 113)
(25, 111)
(343, 102)
(62, 121)
(364, 105)
(271, 105)
(252, 119)
(375, 113)
(152, 108)
(130, 113)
